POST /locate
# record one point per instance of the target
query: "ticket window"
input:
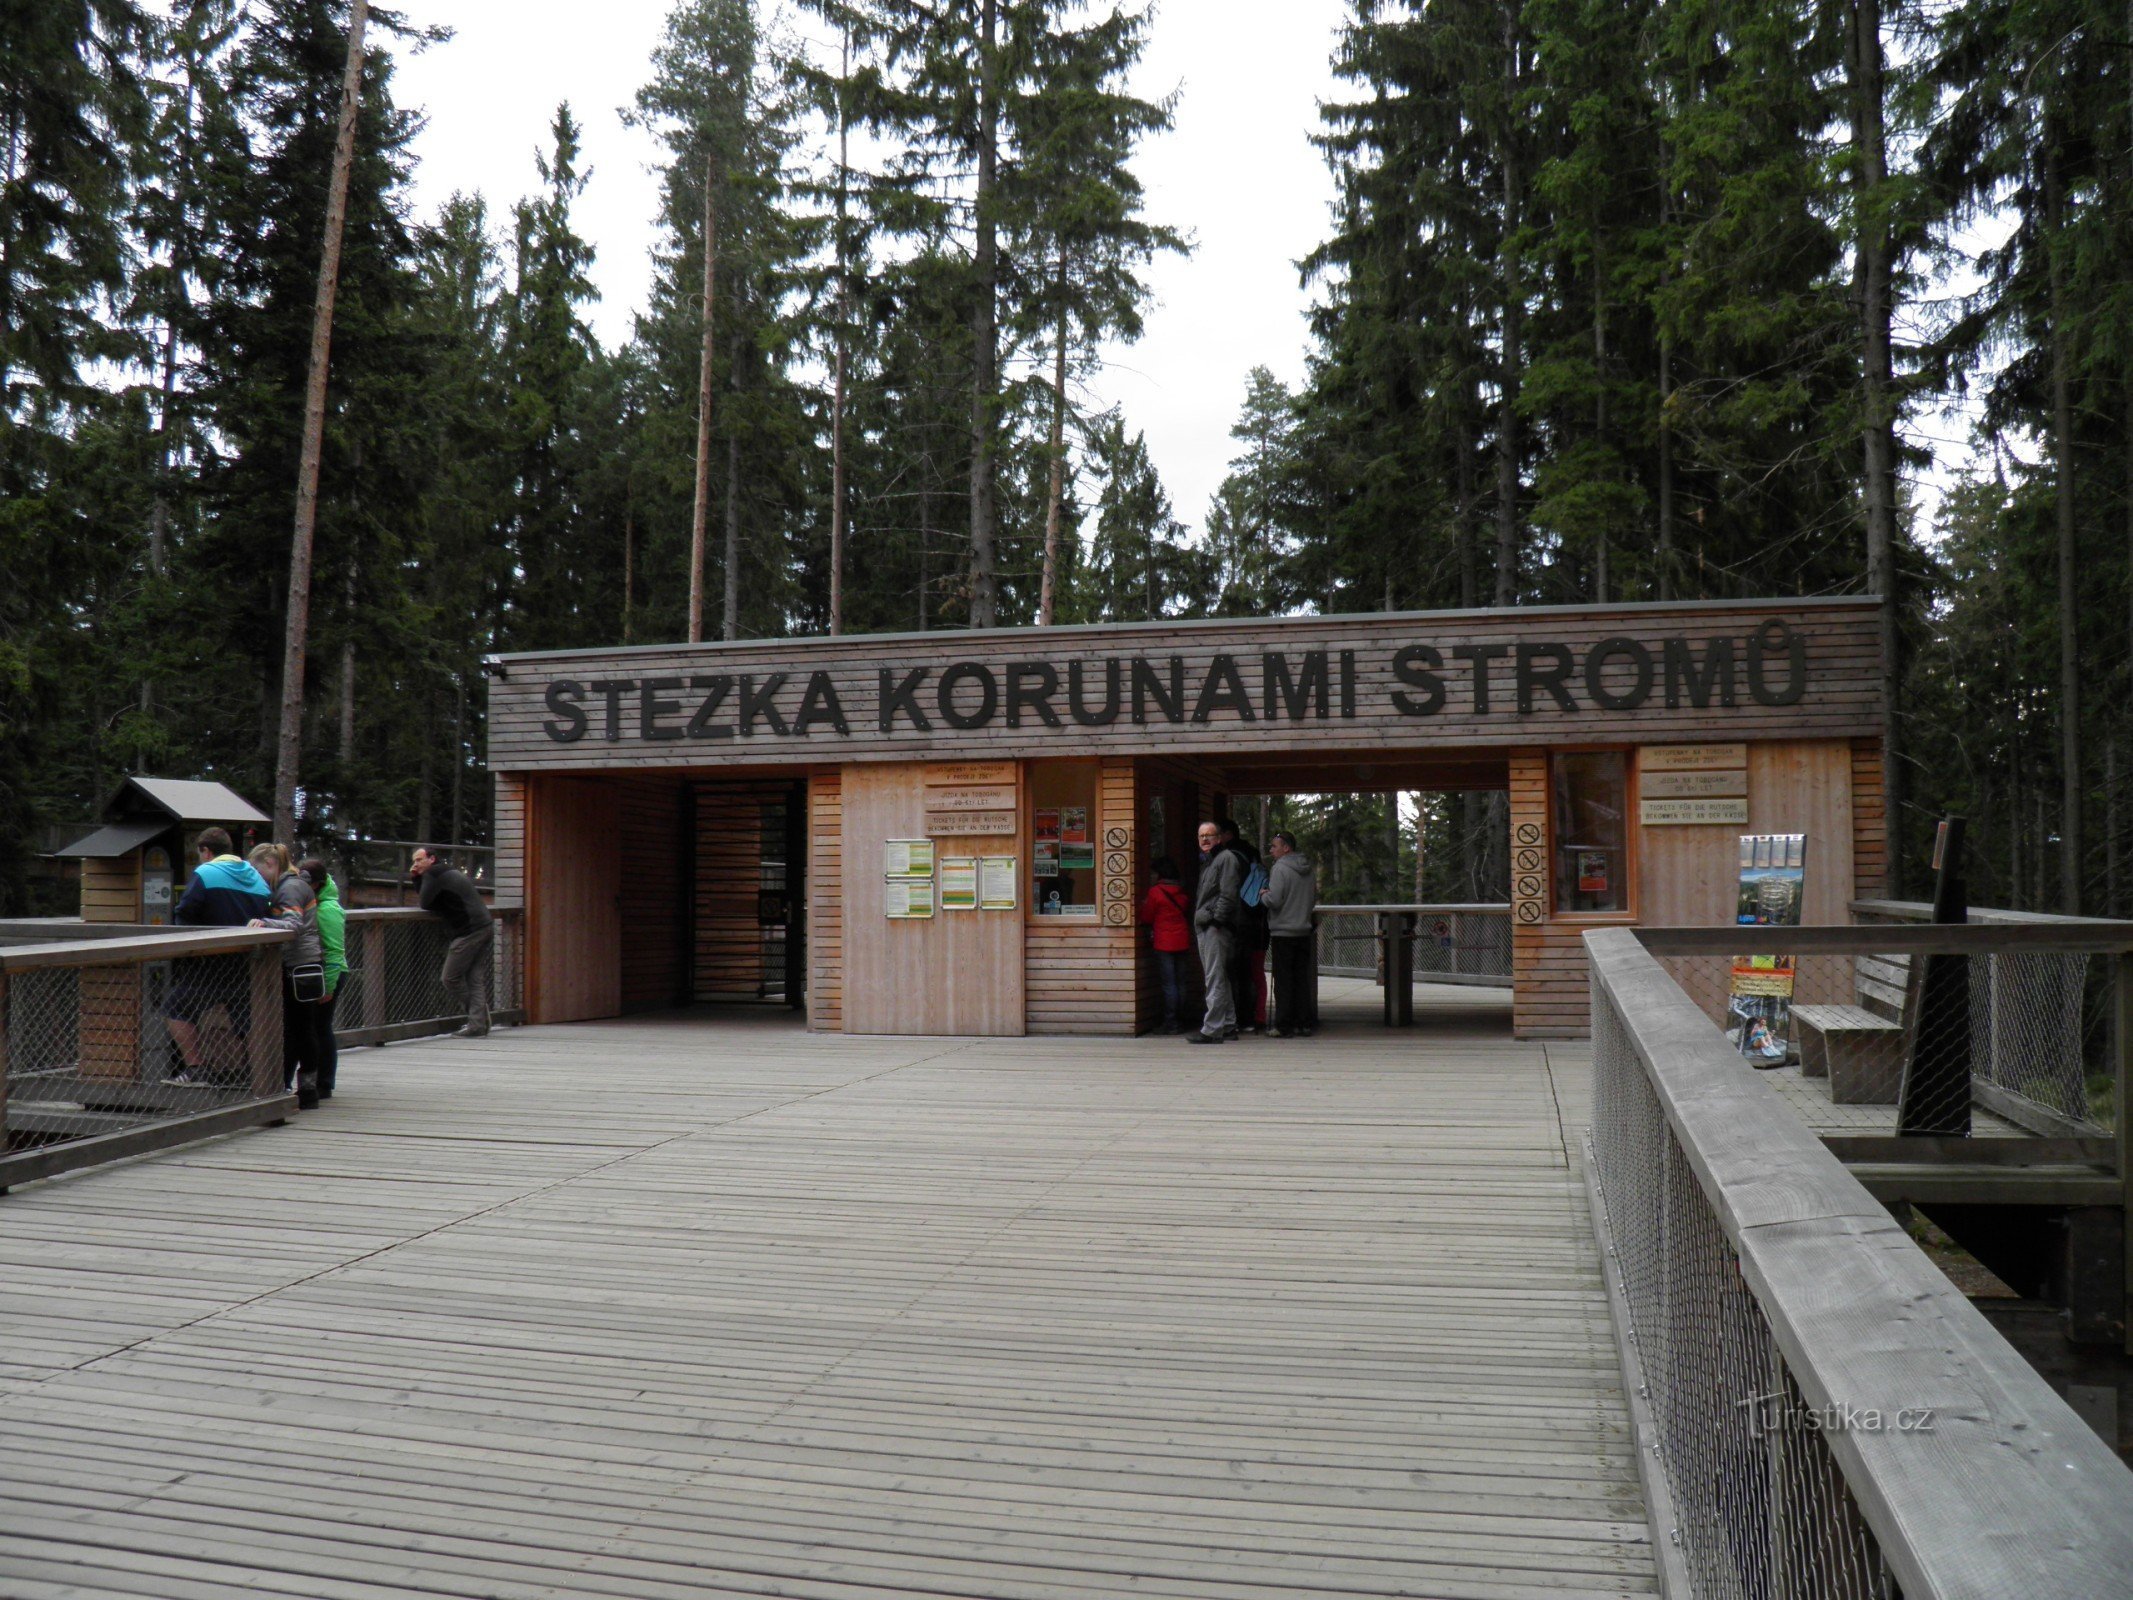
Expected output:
(1062, 800)
(1588, 798)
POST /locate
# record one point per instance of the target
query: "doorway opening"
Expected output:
(748, 927)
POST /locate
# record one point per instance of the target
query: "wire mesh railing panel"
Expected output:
(2000, 1044)
(396, 984)
(1452, 944)
(105, 1047)
(1761, 1508)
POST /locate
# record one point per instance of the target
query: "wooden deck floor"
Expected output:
(678, 1307)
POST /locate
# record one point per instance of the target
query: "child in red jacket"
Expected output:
(1167, 914)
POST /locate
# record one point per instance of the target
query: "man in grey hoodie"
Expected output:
(1290, 896)
(1214, 920)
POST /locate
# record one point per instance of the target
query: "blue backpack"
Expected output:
(1254, 884)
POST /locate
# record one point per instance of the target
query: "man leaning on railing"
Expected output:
(448, 894)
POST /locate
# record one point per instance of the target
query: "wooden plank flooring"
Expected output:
(689, 1307)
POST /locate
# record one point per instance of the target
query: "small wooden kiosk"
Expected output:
(134, 867)
(948, 832)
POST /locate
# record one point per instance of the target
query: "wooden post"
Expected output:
(2121, 1103)
(298, 624)
(264, 1038)
(4, 1026)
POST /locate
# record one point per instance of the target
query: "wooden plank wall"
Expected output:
(1870, 822)
(1549, 999)
(1083, 978)
(955, 973)
(825, 902)
(654, 930)
(508, 835)
(729, 879)
(573, 913)
(111, 889)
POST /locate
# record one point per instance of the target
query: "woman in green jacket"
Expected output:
(333, 942)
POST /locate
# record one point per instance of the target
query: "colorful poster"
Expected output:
(1046, 857)
(907, 898)
(1074, 825)
(1048, 823)
(1773, 881)
(959, 883)
(907, 858)
(1077, 857)
(996, 883)
(1592, 871)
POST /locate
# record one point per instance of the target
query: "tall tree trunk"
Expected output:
(459, 761)
(1514, 295)
(1876, 268)
(1599, 408)
(701, 515)
(836, 616)
(2110, 824)
(2070, 851)
(629, 560)
(1055, 490)
(984, 580)
(346, 749)
(1469, 556)
(925, 538)
(1666, 396)
(1392, 848)
(297, 629)
(730, 610)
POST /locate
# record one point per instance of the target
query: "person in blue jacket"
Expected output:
(225, 892)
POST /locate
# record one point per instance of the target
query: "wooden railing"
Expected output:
(91, 1068)
(1820, 1411)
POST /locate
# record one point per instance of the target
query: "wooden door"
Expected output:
(573, 899)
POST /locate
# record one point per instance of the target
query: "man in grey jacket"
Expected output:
(1290, 896)
(1214, 920)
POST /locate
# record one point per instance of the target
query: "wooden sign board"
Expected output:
(1692, 758)
(1695, 813)
(983, 797)
(971, 824)
(957, 773)
(1691, 785)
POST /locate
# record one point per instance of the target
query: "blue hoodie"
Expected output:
(224, 893)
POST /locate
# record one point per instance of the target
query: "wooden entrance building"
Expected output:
(948, 832)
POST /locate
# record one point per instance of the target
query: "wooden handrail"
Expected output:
(1987, 916)
(2010, 1493)
(166, 946)
(2064, 936)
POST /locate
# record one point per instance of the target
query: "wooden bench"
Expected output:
(1860, 1048)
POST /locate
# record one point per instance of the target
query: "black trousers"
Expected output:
(329, 1047)
(299, 1038)
(1295, 995)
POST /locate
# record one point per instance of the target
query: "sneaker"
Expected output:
(307, 1099)
(1197, 1037)
(1284, 1033)
(1303, 1033)
(1229, 1033)
(470, 1033)
(185, 1075)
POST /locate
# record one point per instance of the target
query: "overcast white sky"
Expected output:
(1238, 175)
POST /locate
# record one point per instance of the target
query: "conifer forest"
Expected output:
(1620, 301)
